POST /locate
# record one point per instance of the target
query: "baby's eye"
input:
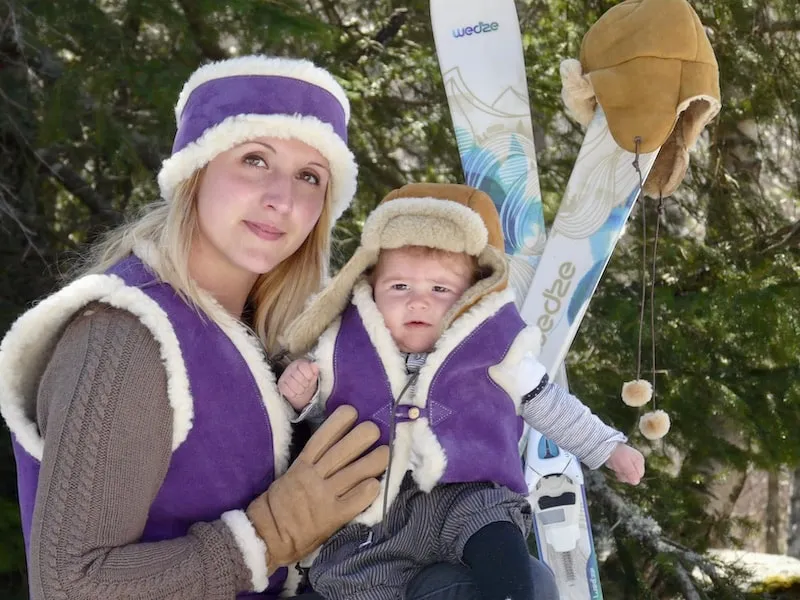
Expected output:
(400, 286)
(440, 289)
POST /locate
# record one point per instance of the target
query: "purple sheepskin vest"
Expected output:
(459, 425)
(230, 440)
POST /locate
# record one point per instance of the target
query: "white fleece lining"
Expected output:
(252, 547)
(417, 436)
(237, 129)
(323, 356)
(474, 233)
(278, 410)
(714, 106)
(432, 460)
(24, 352)
(300, 69)
(462, 327)
(292, 583)
(394, 366)
(506, 373)
(302, 333)
(381, 339)
(400, 464)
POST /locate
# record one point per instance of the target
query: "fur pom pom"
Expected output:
(654, 425)
(577, 92)
(637, 392)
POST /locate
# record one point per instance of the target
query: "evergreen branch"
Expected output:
(329, 8)
(50, 69)
(7, 208)
(790, 26)
(686, 583)
(71, 181)
(789, 235)
(649, 533)
(392, 27)
(204, 36)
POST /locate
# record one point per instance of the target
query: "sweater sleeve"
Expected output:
(103, 412)
(561, 417)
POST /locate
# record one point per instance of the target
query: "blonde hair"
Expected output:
(164, 231)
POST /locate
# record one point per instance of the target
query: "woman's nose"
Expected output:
(278, 192)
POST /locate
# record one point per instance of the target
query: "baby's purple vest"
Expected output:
(473, 418)
(227, 458)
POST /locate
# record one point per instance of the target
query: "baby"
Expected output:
(420, 334)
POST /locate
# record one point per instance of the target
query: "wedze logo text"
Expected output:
(554, 297)
(481, 27)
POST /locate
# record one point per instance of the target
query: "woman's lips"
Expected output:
(264, 230)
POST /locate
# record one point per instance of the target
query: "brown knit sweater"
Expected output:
(103, 412)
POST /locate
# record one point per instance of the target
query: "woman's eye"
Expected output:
(254, 160)
(310, 177)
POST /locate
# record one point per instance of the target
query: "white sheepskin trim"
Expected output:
(279, 411)
(455, 334)
(323, 356)
(714, 106)
(238, 129)
(429, 456)
(400, 464)
(302, 333)
(26, 349)
(507, 373)
(293, 68)
(292, 584)
(497, 263)
(425, 222)
(381, 339)
(252, 547)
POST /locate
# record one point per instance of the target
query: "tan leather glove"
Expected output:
(323, 489)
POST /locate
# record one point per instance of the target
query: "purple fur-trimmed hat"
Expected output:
(226, 103)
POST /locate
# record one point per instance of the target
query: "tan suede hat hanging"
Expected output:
(650, 66)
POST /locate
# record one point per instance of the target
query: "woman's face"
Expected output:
(257, 203)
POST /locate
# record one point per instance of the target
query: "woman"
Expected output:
(146, 423)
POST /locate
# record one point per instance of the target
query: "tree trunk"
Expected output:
(793, 543)
(773, 512)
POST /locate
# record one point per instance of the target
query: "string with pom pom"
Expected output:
(654, 424)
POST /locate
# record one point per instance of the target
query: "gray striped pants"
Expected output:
(420, 529)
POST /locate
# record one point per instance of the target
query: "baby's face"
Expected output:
(414, 290)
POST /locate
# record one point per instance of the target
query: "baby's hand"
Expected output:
(299, 382)
(627, 463)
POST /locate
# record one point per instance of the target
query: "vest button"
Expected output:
(413, 413)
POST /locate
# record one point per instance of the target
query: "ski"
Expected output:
(601, 192)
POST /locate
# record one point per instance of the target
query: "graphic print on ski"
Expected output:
(479, 49)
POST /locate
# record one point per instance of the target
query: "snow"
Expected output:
(762, 566)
